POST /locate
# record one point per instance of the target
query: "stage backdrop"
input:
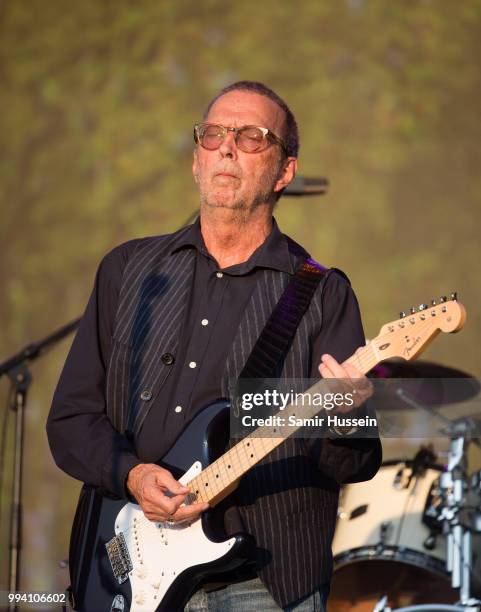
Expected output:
(98, 100)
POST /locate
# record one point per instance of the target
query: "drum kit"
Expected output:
(410, 539)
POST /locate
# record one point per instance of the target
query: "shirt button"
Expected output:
(205, 322)
(178, 409)
(146, 395)
(192, 364)
(167, 358)
(219, 274)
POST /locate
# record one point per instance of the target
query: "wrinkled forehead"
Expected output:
(237, 108)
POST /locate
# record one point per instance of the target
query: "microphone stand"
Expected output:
(20, 377)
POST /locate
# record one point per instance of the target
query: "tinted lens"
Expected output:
(251, 139)
(211, 136)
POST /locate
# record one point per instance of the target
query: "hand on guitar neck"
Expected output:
(161, 496)
(345, 378)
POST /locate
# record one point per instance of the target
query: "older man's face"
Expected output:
(228, 177)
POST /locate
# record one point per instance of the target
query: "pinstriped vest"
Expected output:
(284, 501)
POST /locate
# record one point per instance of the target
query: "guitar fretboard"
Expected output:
(218, 479)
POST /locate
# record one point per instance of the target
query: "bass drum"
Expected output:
(388, 542)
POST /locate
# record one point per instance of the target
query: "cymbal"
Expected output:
(430, 387)
(400, 368)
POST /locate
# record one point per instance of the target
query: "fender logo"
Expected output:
(408, 349)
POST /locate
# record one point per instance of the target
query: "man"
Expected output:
(173, 318)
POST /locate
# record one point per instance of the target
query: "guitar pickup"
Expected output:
(119, 558)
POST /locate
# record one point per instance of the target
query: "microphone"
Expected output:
(304, 186)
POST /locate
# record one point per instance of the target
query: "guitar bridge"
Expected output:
(119, 557)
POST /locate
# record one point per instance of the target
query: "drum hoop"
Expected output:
(391, 553)
(430, 466)
(431, 608)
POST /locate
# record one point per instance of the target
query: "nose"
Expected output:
(228, 147)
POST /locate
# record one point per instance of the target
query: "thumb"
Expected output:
(168, 481)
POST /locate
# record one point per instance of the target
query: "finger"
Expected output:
(180, 515)
(333, 366)
(165, 479)
(159, 512)
(323, 370)
(328, 376)
(185, 513)
(163, 503)
(360, 382)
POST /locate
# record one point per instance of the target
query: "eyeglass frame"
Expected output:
(266, 132)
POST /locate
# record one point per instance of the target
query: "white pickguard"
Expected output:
(160, 552)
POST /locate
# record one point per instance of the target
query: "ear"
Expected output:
(195, 166)
(287, 173)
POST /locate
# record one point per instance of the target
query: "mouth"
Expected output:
(228, 174)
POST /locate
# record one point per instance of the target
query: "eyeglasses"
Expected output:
(248, 138)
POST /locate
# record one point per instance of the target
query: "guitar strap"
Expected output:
(270, 349)
(265, 362)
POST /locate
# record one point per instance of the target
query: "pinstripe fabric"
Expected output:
(154, 291)
(284, 501)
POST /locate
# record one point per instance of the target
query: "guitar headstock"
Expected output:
(409, 335)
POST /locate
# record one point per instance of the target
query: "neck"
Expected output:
(232, 240)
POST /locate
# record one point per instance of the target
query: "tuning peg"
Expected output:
(443, 298)
(423, 306)
(412, 310)
(454, 295)
(433, 302)
(402, 314)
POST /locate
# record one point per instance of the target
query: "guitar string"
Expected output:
(236, 461)
(364, 355)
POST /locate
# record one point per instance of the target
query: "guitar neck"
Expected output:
(406, 337)
(220, 477)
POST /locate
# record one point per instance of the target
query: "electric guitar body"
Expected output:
(119, 560)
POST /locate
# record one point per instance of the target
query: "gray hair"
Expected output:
(291, 135)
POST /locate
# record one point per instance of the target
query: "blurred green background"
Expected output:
(98, 99)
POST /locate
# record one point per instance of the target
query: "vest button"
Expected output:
(146, 395)
(167, 359)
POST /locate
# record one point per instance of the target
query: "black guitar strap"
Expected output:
(270, 349)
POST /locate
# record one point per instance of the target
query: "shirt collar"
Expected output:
(273, 253)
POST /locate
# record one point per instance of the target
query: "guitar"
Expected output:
(119, 560)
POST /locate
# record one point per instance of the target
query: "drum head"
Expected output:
(357, 587)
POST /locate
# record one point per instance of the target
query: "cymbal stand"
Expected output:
(453, 487)
(459, 539)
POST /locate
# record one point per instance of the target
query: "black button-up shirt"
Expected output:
(80, 434)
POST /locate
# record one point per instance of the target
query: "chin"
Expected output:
(224, 201)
